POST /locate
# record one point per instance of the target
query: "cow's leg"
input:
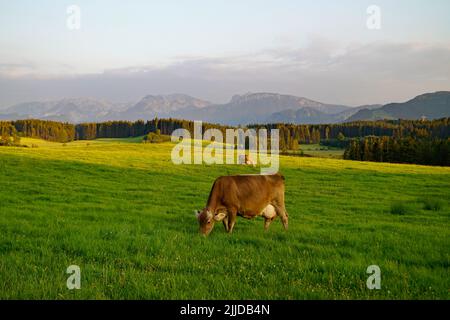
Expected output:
(282, 213)
(232, 214)
(267, 222)
(225, 223)
(278, 204)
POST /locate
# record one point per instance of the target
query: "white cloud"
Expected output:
(324, 70)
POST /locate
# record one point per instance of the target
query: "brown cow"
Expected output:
(248, 196)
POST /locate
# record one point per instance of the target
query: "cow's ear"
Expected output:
(197, 213)
(220, 216)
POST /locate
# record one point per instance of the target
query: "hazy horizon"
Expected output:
(132, 102)
(322, 51)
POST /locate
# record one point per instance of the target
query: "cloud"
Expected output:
(375, 63)
(324, 70)
(16, 69)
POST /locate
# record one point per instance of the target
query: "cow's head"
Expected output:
(206, 220)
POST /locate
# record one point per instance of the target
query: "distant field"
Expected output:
(43, 143)
(124, 213)
(319, 151)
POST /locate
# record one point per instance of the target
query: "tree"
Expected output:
(295, 145)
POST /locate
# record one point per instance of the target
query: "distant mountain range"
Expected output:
(242, 109)
(259, 108)
(71, 110)
(430, 105)
(309, 115)
(92, 110)
(158, 106)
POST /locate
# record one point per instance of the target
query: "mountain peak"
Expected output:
(281, 98)
(430, 105)
(162, 105)
(432, 95)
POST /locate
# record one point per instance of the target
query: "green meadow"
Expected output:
(318, 151)
(124, 213)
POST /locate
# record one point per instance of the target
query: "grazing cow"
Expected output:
(248, 196)
(248, 160)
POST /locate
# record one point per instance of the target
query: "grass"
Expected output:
(124, 213)
(399, 208)
(433, 204)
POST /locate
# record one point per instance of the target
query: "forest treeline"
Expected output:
(302, 134)
(339, 135)
(47, 130)
(66, 132)
(408, 141)
(8, 134)
(400, 150)
(125, 129)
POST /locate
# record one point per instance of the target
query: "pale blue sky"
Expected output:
(35, 42)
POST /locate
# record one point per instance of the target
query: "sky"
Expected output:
(322, 50)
